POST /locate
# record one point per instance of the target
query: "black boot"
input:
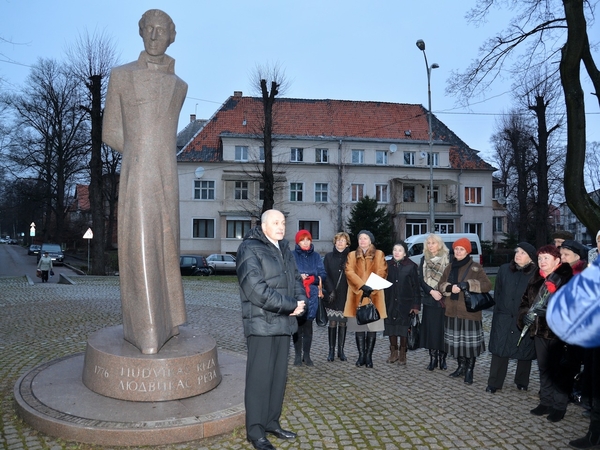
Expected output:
(341, 342)
(370, 345)
(433, 359)
(443, 365)
(460, 371)
(360, 344)
(297, 338)
(332, 335)
(307, 343)
(469, 372)
(590, 440)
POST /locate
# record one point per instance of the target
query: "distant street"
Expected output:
(14, 261)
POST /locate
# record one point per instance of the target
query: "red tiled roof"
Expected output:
(336, 119)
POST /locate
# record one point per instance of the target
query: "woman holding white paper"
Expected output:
(361, 263)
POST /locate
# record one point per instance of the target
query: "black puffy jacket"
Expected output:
(270, 286)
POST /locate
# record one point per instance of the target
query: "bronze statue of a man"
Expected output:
(140, 121)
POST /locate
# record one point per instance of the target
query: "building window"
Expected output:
(261, 191)
(409, 194)
(237, 229)
(203, 228)
(473, 196)
(381, 193)
(409, 158)
(357, 192)
(312, 226)
(241, 153)
(241, 190)
(358, 156)
(296, 192)
(416, 226)
(436, 158)
(498, 224)
(321, 192)
(444, 226)
(473, 228)
(381, 157)
(261, 154)
(297, 155)
(435, 193)
(321, 155)
(204, 190)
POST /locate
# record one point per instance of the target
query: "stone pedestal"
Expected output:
(186, 366)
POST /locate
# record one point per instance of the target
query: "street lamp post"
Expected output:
(421, 46)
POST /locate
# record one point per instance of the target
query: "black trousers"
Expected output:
(499, 367)
(553, 379)
(266, 376)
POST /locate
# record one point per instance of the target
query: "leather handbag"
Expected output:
(478, 301)
(414, 332)
(321, 317)
(366, 313)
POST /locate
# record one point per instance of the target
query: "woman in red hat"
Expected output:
(463, 337)
(311, 268)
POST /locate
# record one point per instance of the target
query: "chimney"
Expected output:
(237, 93)
(192, 117)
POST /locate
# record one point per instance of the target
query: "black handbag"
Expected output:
(321, 317)
(367, 313)
(414, 332)
(478, 301)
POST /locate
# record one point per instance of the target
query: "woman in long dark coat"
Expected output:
(511, 283)
(435, 259)
(336, 286)
(401, 298)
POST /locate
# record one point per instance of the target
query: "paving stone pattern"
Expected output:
(333, 405)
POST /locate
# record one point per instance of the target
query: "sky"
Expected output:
(328, 49)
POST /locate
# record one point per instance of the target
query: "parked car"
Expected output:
(193, 265)
(221, 263)
(54, 251)
(416, 243)
(34, 249)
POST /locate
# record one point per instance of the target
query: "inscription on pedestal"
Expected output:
(186, 366)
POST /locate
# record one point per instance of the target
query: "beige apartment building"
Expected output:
(327, 155)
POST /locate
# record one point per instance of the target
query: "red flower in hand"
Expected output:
(550, 286)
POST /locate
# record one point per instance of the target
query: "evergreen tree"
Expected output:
(366, 215)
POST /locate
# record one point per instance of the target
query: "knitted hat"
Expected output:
(529, 249)
(368, 233)
(464, 243)
(403, 244)
(575, 247)
(301, 235)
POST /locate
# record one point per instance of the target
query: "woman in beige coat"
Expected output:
(366, 259)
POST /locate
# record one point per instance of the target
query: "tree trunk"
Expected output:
(577, 43)
(96, 192)
(267, 172)
(542, 204)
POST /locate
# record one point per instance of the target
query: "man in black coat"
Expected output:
(272, 296)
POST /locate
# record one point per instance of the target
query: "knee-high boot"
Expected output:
(469, 372)
(297, 339)
(460, 371)
(433, 359)
(332, 336)
(370, 345)
(360, 344)
(443, 364)
(341, 342)
(402, 352)
(307, 342)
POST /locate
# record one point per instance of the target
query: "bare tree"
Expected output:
(547, 32)
(270, 80)
(50, 138)
(91, 58)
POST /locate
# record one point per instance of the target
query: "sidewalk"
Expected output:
(333, 405)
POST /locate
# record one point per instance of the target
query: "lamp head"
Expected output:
(421, 45)
(435, 66)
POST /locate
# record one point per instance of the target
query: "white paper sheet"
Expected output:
(377, 283)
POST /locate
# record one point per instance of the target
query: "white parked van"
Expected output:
(416, 244)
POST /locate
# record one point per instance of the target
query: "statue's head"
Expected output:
(157, 30)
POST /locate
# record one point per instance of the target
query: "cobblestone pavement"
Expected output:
(333, 405)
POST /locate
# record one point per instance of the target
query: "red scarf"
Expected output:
(307, 282)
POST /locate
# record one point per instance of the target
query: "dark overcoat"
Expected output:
(404, 294)
(335, 263)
